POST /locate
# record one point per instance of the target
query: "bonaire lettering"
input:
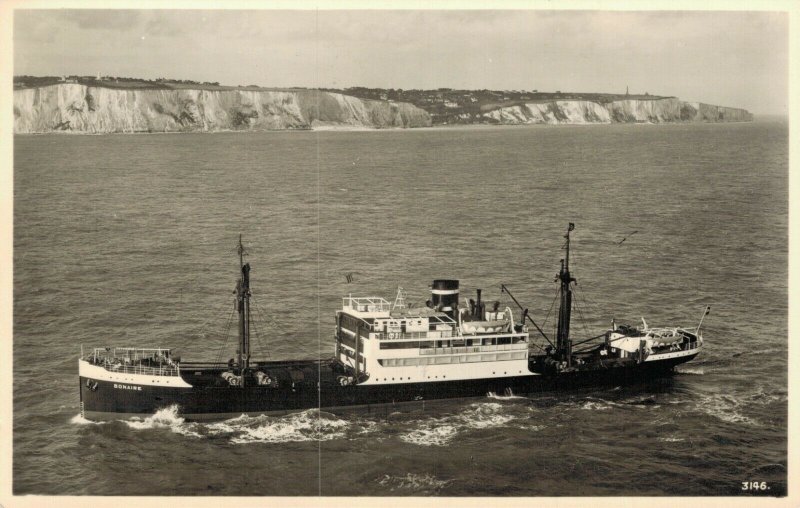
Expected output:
(127, 387)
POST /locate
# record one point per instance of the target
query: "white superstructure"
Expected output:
(428, 344)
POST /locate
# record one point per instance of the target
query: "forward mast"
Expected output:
(563, 342)
(243, 294)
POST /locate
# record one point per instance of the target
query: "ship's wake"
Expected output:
(690, 371)
(167, 417)
(748, 409)
(309, 425)
(315, 425)
(441, 431)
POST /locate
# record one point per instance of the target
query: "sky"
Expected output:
(737, 59)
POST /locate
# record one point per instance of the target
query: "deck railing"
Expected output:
(164, 370)
(431, 334)
(366, 304)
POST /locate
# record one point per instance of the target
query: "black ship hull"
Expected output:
(107, 400)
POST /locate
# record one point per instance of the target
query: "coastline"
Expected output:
(455, 127)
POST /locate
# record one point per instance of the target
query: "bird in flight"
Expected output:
(626, 237)
(350, 277)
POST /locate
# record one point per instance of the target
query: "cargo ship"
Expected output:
(387, 354)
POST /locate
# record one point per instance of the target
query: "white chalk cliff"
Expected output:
(84, 109)
(622, 111)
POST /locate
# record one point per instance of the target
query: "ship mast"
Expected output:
(243, 307)
(563, 344)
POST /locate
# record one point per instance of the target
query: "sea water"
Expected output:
(130, 240)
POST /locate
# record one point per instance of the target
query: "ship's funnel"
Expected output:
(444, 295)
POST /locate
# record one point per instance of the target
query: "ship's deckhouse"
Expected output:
(383, 344)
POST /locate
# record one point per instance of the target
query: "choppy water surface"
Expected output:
(129, 240)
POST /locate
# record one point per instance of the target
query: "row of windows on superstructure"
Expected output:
(433, 377)
(351, 323)
(486, 341)
(443, 360)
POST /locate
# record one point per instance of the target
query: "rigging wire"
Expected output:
(227, 336)
(264, 317)
(555, 321)
(552, 305)
(260, 317)
(547, 317)
(210, 318)
(589, 306)
(580, 314)
(261, 346)
(586, 305)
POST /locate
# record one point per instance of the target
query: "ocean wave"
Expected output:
(441, 431)
(600, 404)
(511, 396)
(309, 425)
(764, 397)
(80, 420)
(726, 408)
(690, 371)
(596, 405)
(670, 439)
(641, 400)
(420, 484)
(166, 418)
(430, 435)
(765, 351)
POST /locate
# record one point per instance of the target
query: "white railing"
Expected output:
(431, 334)
(128, 360)
(129, 353)
(165, 370)
(366, 304)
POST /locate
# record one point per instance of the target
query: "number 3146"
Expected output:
(755, 486)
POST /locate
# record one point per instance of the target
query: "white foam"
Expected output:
(596, 405)
(725, 408)
(441, 431)
(691, 371)
(163, 418)
(485, 415)
(670, 439)
(493, 395)
(430, 435)
(80, 420)
(413, 482)
(308, 425)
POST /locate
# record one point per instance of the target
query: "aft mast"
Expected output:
(563, 344)
(243, 307)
